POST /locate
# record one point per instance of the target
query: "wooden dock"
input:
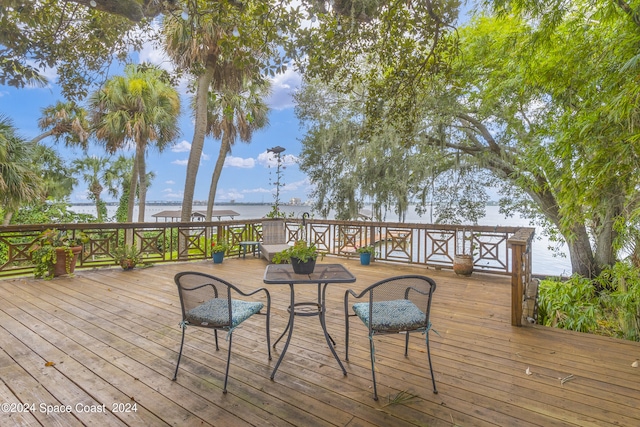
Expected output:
(100, 349)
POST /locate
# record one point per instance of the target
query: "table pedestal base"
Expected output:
(307, 309)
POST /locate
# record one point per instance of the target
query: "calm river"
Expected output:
(545, 261)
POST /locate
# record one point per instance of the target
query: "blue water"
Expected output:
(545, 261)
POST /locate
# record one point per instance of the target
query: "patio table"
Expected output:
(255, 246)
(322, 276)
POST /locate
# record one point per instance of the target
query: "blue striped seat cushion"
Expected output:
(395, 315)
(215, 312)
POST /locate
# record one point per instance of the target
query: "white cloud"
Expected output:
(257, 190)
(51, 74)
(154, 54)
(293, 186)
(170, 182)
(270, 159)
(239, 162)
(290, 159)
(181, 147)
(290, 187)
(282, 88)
(203, 157)
(231, 194)
(169, 193)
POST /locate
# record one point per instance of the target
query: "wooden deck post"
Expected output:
(517, 287)
(520, 245)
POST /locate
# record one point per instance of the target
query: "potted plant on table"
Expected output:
(55, 253)
(218, 250)
(126, 256)
(301, 256)
(366, 252)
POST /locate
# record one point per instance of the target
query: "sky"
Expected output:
(249, 173)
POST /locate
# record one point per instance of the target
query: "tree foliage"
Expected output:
(55, 172)
(545, 109)
(545, 106)
(392, 49)
(79, 41)
(52, 212)
(351, 167)
(19, 182)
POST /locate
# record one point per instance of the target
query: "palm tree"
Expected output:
(19, 181)
(94, 172)
(200, 46)
(119, 174)
(222, 47)
(64, 120)
(232, 114)
(139, 107)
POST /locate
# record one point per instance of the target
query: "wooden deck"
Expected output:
(111, 338)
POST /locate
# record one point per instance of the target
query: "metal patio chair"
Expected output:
(393, 305)
(207, 302)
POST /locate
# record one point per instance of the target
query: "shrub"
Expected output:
(570, 304)
(623, 300)
(608, 305)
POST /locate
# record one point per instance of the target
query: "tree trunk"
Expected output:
(7, 217)
(582, 261)
(225, 147)
(96, 190)
(142, 177)
(605, 233)
(577, 237)
(132, 189)
(204, 81)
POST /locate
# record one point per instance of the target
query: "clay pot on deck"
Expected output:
(463, 264)
(60, 267)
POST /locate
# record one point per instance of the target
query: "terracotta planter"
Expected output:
(303, 267)
(463, 265)
(127, 264)
(60, 267)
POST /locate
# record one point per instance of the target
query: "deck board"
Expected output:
(113, 337)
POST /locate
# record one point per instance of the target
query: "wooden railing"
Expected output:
(497, 250)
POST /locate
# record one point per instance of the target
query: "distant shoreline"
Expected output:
(196, 203)
(204, 203)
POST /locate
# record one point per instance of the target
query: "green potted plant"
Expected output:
(55, 253)
(301, 256)
(126, 256)
(366, 252)
(218, 250)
